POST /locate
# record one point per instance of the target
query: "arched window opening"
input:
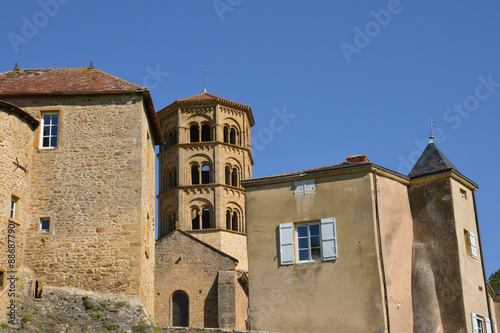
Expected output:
(170, 181)
(232, 136)
(228, 219)
(205, 133)
(205, 218)
(195, 175)
(194, 132)
(174, 177)
(234, 177)
(195, 219)
(226, 134)
(163, 228)
(171, 225)
(235, 221)
(228, 175)
(180, 309)
(171, 138)
(174, 134)
(205, 174)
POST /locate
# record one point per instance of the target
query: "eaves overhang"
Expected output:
(335, 170)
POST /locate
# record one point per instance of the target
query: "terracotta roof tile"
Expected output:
(208, 98)
(62, 81)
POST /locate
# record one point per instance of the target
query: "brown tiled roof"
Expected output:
(205, 98)
(62, 81)
(71, 81)
(20, 112)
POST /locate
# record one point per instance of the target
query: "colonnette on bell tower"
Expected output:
(208, 152)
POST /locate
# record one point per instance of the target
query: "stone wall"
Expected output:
(193, 268)
(229, 242)
(97, 187)
(16, 141)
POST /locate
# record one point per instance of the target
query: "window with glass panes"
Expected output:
(50, 130)
(308, 242)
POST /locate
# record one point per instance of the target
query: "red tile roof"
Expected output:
(204, 98)
(62, 81)
(71, 81)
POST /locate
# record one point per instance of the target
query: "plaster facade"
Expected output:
(406, 254)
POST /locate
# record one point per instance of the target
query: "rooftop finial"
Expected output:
(91, 66)
(204, 80)
(16, 68)
(432, 134)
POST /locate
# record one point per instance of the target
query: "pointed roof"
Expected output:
(74, 81)
(206, 98)
(431, 161)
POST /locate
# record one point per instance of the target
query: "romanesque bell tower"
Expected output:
(207, 154)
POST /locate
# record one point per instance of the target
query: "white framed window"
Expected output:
(44, 224)
(13, 207)
(480, 324)
(463, 194)
(308, 242)
(470, 243)
(49, 137)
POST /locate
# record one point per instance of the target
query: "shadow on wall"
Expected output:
(210, 309)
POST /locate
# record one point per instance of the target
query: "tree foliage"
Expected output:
(495, 280)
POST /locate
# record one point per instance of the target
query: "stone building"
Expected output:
(78, 178)
(357, 247)
(206, 155)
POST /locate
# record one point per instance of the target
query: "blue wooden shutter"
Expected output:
(473, 249)
(328, 239)
(286, 243)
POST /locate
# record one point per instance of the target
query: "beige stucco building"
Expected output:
(357, 247)
(206, 155)
(78, 180)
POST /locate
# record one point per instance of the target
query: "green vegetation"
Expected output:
(108, 326)
(495, 280)
(141, 327)
(122, 304)
(26, 317)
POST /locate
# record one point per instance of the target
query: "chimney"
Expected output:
(358, 159)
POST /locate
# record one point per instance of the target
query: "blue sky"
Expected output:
(342, 77)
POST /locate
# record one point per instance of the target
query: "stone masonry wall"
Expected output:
(148, 218)
(229, 242)
(16, 141)
(192, 268)
(91, 187)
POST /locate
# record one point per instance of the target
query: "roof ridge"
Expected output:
(117, 78)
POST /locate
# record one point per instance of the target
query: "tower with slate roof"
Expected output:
(448, 272)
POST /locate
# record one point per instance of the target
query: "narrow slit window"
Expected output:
(463, 194)
(13, 208)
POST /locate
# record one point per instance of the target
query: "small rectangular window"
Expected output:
(470, 243)
(430, 193)
(463, 194)
(49, 137)
(44, 224)
(306, 186)
(13, 208)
